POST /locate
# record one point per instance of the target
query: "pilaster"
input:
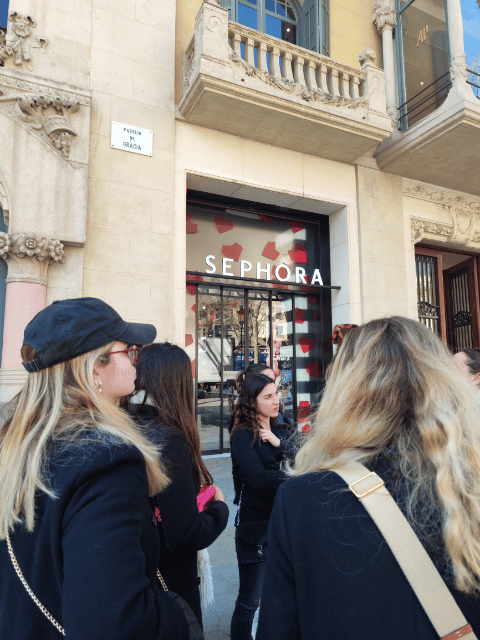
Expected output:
(385, 19)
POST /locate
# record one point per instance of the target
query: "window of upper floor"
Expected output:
(302, 23)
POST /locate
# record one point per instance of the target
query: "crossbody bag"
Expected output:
(429, 587)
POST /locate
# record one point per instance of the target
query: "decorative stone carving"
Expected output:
(16, 42)
(420, 227)
(384, 16)
(4, 203)
(458, 67)
(29, 255)
(367, 56)
(9, 81)
(48, 113)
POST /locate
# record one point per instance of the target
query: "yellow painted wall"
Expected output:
(352, 31)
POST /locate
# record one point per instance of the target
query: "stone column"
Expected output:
(27, 257)
(385, 18)
(458, 70)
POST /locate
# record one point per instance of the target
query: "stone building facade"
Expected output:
(312, 127)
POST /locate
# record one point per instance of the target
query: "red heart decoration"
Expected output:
(304, 411)
(223, 224)
(270, 251)
(314, 369)
(306, 428)
(308, 281)
(191, 288)
(316, 316)
(191, 227)
(299, 254)
(278, 286)
(299, 317)
(188, 339)
(296, 226)
(193, 307)
(233, 251)
(306, 344)
(266, 219)
(312, 299)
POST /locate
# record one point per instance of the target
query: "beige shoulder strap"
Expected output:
(429, 587)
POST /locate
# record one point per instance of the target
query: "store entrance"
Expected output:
(240, 325)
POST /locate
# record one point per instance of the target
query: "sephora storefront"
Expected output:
(258, 290)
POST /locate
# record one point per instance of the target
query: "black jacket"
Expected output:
(330, 574)
(92, 557)
(182, 530)
(256, 466)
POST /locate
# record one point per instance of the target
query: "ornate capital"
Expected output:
(384, 16)
(29, 255)
(16, 42)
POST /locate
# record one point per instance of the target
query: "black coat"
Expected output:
(256, 466)
(330, 574)
(182, 530)
(92, 557)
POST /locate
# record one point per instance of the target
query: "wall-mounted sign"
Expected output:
(134, 139)
(266, 271)
(422, 36)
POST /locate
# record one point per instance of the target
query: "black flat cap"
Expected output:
(69, 328)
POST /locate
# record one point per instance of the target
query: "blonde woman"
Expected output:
(76, 526)
(395, 401)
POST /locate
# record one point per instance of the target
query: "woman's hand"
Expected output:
(218, 494)
(267, 435)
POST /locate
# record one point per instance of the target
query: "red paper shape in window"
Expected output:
(316, 316)
(314, 369)
(299, 254)
(193, 307)
(308, 281)
(296, 226)
(270, 251)
(191, 287)
(278, 286)
(194, 368)
(233, 251)
(306, 344)
(191, 227)
(303, 411)
(188, 339)
(312, 299)
(266, 219)
(306, 428)
(299, 317)
(223, 224)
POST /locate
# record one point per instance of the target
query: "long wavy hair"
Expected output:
(246, 410)
(394, 389)
(60, 404)
(164, 373)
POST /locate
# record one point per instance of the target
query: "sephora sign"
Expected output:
(265, 271)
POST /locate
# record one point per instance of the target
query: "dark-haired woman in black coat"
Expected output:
(259, 446)
(165, 377)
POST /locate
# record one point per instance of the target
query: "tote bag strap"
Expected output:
(428, 585)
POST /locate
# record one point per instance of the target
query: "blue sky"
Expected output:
(3, 12)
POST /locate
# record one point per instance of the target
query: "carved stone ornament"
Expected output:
(384, 16)
(23, 245)
(368, 56)
(458, 68)
(462, 210)
(47, 113)
(16, 43)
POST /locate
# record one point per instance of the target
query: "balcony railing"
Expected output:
(241, 81)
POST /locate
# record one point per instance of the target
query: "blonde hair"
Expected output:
(60, 404)
(394, 388)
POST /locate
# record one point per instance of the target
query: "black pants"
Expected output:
(251, 582)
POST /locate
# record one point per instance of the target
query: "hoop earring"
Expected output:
(98, 384)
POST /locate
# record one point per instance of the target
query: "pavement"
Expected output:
(217, 616)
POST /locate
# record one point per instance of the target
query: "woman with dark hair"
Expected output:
(253, 369)
(469, 362)
(164, 375)
(259, 446)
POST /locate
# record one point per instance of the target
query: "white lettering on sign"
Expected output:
(133, 139)
(282, 273)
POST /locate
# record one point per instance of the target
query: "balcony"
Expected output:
(444, 147)
(246, 83)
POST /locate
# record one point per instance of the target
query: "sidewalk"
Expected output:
(216, 617)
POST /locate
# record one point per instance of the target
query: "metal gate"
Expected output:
(427, 291)
(460, 310)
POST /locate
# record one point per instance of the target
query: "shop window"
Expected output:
(423, 59)
(258, 291)
(302, 23)
(471, 38)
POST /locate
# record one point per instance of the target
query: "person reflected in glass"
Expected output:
(469, 362)
(164, 388)
(260, 444)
